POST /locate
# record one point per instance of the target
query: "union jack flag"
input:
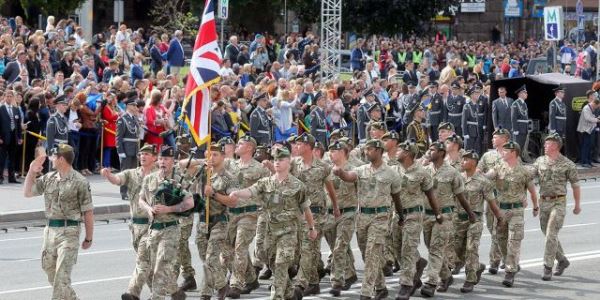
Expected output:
(204, 72)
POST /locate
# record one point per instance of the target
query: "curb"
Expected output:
(34, 215)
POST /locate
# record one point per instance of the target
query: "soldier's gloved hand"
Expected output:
(484, 127)
(552, 131)
(515, 133)
(465, 137)
(122, 155)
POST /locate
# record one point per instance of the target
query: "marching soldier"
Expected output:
(554, 171)
(470, 120)
(133, 178)
(260, 123)
(57, 130)
(318, 122)
(445, 130)
(513, 181)
(416, 132)
(519, 117)
(482, 119)
(391, 140)
(501, 110)
(163, 239)
(454, 107)
(454, 152)
(128, 138)
(436, 112)
(67, 196)
(557, 119)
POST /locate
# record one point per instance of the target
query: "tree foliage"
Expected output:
(51, 7)
(169, 16)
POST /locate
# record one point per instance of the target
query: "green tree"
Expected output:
(51, 7)
(171, 15)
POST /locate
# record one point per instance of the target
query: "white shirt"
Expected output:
(225, 72)
(71, 121)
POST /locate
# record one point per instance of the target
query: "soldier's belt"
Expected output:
(464, 216)
(413, 209)
(374, 210)
(472, 123)
(61, 141)
(263, 131)
(510, 205)
(553, 198)
(141, 221)
(215, 218)
(344, 210)
(321, 130)
(523, 121)
(443, 210)
(62, 223)
(316, 209)
(244, 209)
(455, 114)
(131, 140)
(164, 225)
(561, 118)
(435, 112)
(480, 114)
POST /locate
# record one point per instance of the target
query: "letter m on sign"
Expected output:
(552, 16)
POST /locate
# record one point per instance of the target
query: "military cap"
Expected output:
(456, 85)
(559, 89)
(473, 90)
(336, 134)
(471, 155)
(280, 153)
(61, 100)
(411, 147)
(478, 85)
(167, 151)
(393, 135)
(306, 138)
(377, 125)
(261, 96)
(373, 107)
(512, 146)
(184, 139)
(226, 141)
(337, 146)
(416, 109)
(438, 145)
(523, 88)
(61, 148)
(217, 147)
(410, 84)
(554, 137)
(502, 131)
(131, 101)
(433, 84)
(374, 143)
(319, 145)
(247, 138)
(455, 139)
(446, 126)
(148, 148)
(345, 140)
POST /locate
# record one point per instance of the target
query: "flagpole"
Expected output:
(208, 170)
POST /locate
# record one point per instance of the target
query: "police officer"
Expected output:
(557, 119)
(501, 110)
(519, 117)
(67, 196)
(470, 120)
(128, 137)
(318, 122)
(454, 106)
(57, 131)
(436, 112)
(260, 123)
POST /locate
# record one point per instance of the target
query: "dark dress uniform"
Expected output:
(455, 105)
(318, 125)
(260, 127)
(436, 114)
(519, 116)
(557, 119)
(482, 113)
(128, 142)
(470, 125)
(57, 131)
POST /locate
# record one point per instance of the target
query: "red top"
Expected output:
(110, 116)
(152, 113)
(163, 47)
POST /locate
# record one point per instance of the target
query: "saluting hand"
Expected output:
(37, 165)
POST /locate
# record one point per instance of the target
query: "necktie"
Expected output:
(12, 120)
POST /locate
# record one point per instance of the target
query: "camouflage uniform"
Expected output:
(512, 190)
(163, 239)
(314, 177)
(374, 197)
(186, 225)
(447, 183)
(467, 236)
(66, 199)
(242, 224)
(282, 203)
(488, 161)
(553, 177)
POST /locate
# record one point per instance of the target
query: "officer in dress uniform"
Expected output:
(57, 131)
(557, 119)
(260, 124)
(409, 103)
(436, 112)
(318, 123)
(470, 122)
(363, 115)
(482, 113)
(519, 116)
(128, 137)
(454, 106)
(416, 132)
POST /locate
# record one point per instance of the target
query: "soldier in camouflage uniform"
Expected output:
(391, 140)
(242, 222)
(454, 151)
(554, 171)
(448, 185)
(132, 178)
(377, 184)
(67, 199)
(164, 231)
(445, 130)
(376, 131)
(478, 190)
(512, 180)
(489, 160)
(282, 197)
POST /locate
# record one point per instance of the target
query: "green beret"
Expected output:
(502, 131)
(512, 146)
(306, 138)
(337, 145)
(374, 143)
(336, 133)
(377, 125)
(218, 147)
(247, 138)
(554, 137)
(61, 148)
(148, 148)
(455, 139)
(393, 135)
(471, 154)
(184, 139)
(438, 146)
(411, 147)
(280, 153)
(167, 151)
(227, 141)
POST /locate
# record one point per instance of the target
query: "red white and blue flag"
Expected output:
(204, 72)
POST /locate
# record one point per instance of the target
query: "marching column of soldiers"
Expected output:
(389, 191)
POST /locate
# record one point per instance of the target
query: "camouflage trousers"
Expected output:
(371, 231)
(467, 237)
(394, 243)
(142, 274)
(310, 253)
(186, 225)
(338, 234)
(510, 234)
(552, 217)
(281, 241)
(164, 244)
(490, 219)
(59, 255)
(260, 251)
(215, 252)
(241, 231)
(437, 237)
(410, 236)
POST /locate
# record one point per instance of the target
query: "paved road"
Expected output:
(103, 271)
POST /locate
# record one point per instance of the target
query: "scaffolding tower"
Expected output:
(331, 38)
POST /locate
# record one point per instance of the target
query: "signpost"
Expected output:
(580, 19)
(223, 14)
(553, 28)
(472, 6)
(118, 12)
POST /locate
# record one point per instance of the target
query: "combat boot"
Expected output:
(365, 297)
(467, 287)
(265, 274)
(396, 266)
(312, 289)
(328, 269)
(349, 282)
(292, 271)
(388, 270)
(381, 294)
(188, 284)
(457, 268)
(479, 272)
(445, 284)
(234, 293)
(204, 297)
(179, 295)
(250, 287)
(494, 268)
(547, 274)
(222, 292)
(322, 273)
(428, 290)
(128, 296)
(336, 290)
(561, 266)
(509, 279)
(298, 292)
(404, 292)
(420, 267)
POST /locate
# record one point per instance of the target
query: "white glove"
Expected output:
(465, 137)
(122, 155)
(552, 131)
(484, 127)
(515, 133)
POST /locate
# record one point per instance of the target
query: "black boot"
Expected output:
(446, 283)
(428, 290)
(396, 266)
(250, 287)
(234, 293)
(336, 290)
(494, 268)
(457, 268)
(179, 295)
(128, 296)
(312, 289)
(349, 282)
(188, 284)
(404, 292)
(388, 270)
(381, 294)
(265, 274)
(547, 274)
(509, 279)
(467, 287)
(560, 268)
(479, 272)
(222, 292)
